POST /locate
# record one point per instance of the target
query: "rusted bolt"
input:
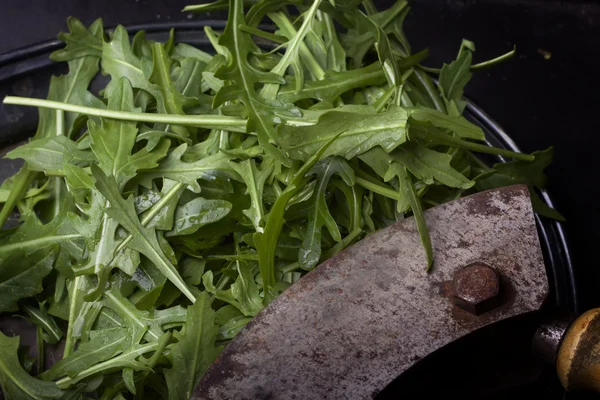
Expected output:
(476, 288)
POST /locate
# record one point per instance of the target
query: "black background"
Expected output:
(539, 102)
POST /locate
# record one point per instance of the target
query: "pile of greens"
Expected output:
(159, 215)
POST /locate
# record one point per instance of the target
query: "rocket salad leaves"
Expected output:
(159, 215)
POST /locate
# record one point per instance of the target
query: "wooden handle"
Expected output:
(578, 362)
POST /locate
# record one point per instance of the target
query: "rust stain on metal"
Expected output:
(348, 328)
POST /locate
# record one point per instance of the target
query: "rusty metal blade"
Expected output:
(359, 320)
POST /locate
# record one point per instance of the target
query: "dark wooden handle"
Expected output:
(578, 362)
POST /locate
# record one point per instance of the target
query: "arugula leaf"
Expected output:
(334, 84)
(199, 212)
(119, 61)
(456, 124)
(194, 351)
(430, 166)
(50, 154)
(80, 41)
(516, 172)
(361, 129)
(71, 88)
(310, 251)
(102, 346)
(266, 241)
(39, 316)
(144, 239)
(174, 168)
(408, 191)
(239, 70)
(113, 141)
(243, 294)
(454, 77)
(255, 179)
(292, 55)
(160, 76)
(22, 277)
(16, 383)
(127, 359)
(150, 323)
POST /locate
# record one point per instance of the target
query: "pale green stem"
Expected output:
(202, 121)
(73, 309)
(58, 181)
(375, 188)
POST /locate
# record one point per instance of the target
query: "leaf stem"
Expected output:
(263, 34)
(376, 188)
(41, 350)
(21, 182)
(202, 121)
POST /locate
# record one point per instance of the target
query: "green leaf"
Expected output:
(456, 124)
(255, 179)
(32, 236)
(334, 84)
(150, 323)
(408, 191)
(361, 38)
(161, 77)
(360, 127)
(515, 172)
(319, 215)
(99, 232)
(336, 55)
(189, 79)
(243, 294)
(430, 166)
(21, 277)
(41, 318)
(194, 351)
(50, 153)
(16, 383)
(199, 212)
(20, 182)
(80, 41)
(174, 168)
(266, 242)
(455, 76)
(102, 346)
(119, 61)
(246, 77)
(144, 239)
(192, 270)
(113, 141)
(127, 359)
(71, 88)
(291, 56)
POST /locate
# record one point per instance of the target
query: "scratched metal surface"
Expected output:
(351, 326)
